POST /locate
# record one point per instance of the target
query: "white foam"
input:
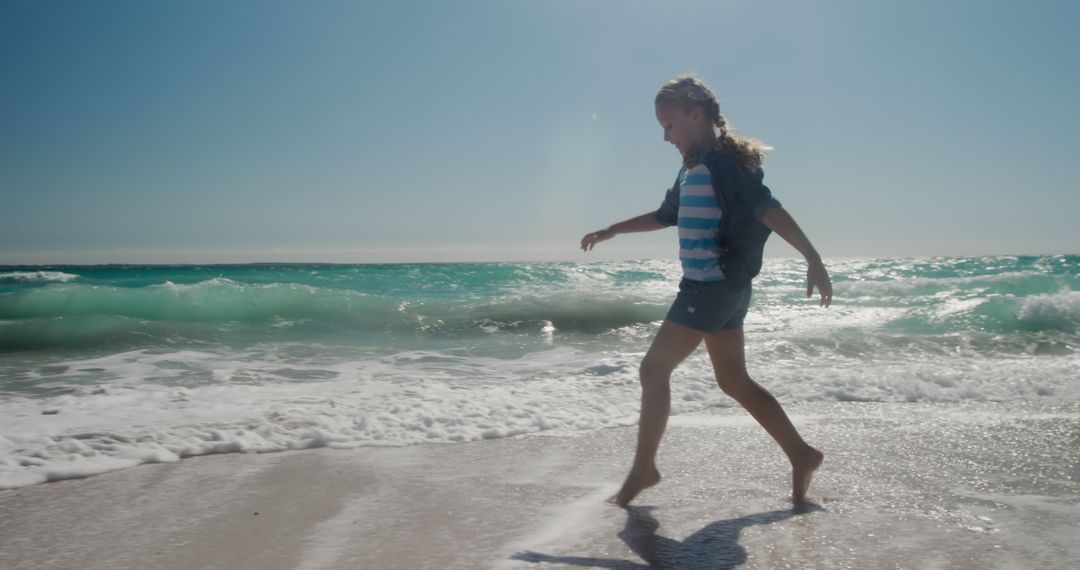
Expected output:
(158, 407)
(34, 276)
(407, 398)
(1055, 310)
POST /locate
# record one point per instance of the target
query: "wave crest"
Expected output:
(1053, 311)
(15, 277)
(73, 314)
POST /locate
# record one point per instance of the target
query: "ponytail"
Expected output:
(748, 153)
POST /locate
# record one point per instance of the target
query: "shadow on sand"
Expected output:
(714, 547)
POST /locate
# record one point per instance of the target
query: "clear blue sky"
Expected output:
(225, 131)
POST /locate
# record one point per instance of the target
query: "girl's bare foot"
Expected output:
(802, 471)
(636, 482)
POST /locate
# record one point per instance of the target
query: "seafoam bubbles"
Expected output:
(937, 379)
(405, 399)
(1055, 310)
(35, 276)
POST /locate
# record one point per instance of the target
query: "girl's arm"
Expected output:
(643, 223)
(781, 222)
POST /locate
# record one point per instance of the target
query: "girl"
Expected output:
(715, 290)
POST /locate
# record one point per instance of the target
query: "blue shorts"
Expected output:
(710, 306)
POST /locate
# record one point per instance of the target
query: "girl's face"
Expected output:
(685, 129)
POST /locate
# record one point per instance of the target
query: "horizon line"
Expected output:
(17, 266)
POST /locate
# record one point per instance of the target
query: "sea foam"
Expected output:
(35, 276)
(412, 397)
(1056, 310)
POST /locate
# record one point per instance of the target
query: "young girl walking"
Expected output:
(721, 235)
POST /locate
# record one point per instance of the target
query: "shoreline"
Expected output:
(906, 486)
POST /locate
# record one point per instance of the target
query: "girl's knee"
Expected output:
(652, 371)
(734, 383)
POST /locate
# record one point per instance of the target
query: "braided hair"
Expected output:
(687, 92)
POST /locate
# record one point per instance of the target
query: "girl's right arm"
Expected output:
(780, 221)
(643, 223)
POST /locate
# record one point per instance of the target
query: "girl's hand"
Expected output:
(818, 276)
(590, 240)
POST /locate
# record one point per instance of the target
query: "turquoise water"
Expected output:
(103, 308)
(111, 366)
(126, 307)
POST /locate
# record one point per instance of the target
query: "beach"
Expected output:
(378, 285)
(980, 485)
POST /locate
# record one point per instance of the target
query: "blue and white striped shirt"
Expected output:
(699, 223)
(691, 204)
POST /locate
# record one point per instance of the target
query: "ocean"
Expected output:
(109, 367)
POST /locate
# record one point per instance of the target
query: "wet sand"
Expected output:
(975, 485)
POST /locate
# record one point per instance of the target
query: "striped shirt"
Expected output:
(699, 223)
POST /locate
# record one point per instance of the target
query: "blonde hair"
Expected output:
(686, 92)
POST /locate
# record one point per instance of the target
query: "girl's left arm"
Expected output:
(780, 221)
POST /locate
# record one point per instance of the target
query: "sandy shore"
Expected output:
(903, 486)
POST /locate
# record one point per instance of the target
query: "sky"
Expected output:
(226, 131)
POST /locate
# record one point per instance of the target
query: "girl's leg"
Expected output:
(729, 362)
(673, 343)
